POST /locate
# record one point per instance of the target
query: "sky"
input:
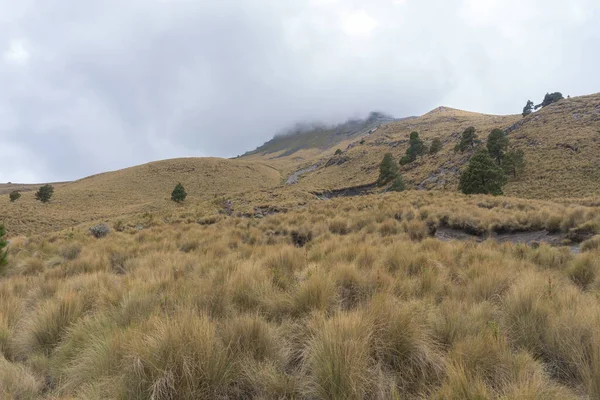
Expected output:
(97, 85)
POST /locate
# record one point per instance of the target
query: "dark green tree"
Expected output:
(416, 148)
(178, 195)
(3, 250)
(513, 162)
(44, 194)
(338, 152)
(14, 196)
(397, 185)
(528, 109)
(550, 98)
(482, 176)
(436, 146)
(468, 140)
(388, 170)
(497, 144)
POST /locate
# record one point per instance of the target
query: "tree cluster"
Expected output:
(416, 148)
(487, 170)
(549, 98)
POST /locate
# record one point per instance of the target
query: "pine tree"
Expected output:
(14, 196)
(497, 144)
(468, 139)
(397, 185)
(513, 162)
(416, 148)
(436, 146)
(178, 195)
(44, 194)
(528, 109)
(3, 244)
(388, 170)
(482, 176)
(550, 98)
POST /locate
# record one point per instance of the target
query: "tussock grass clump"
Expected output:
(48, 324)
(591, 244)
(338, 363)
(584, 269)
(18, 382)
(339, 226)
(178, 358)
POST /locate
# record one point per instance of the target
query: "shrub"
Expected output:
(100, 230)
(44, 194)
(482, 176)
(338, 152)
(468, 140)
(14, 196)
(301, 237)
(388, 170)
(178, 195)
(397, 185)
(436, 146)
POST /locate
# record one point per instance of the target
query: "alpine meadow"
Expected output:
(380, 247)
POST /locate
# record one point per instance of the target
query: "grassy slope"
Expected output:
(145, 188)
(552, 171)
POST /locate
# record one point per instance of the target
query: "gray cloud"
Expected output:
(99, 85)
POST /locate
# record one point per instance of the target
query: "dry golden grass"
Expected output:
(370, 307)
(141, 189)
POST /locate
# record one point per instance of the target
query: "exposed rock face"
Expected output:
(337, 160)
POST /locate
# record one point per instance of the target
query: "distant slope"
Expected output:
(144, 188)
(561, 144)
(307, 136)
(6, 188)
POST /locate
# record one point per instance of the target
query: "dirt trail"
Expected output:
(293, 178)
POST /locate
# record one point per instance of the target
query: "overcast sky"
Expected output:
(96, 85)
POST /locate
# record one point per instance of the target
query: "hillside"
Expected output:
(141, 189)
(259, 287)
(561, 145)
(318, 136)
